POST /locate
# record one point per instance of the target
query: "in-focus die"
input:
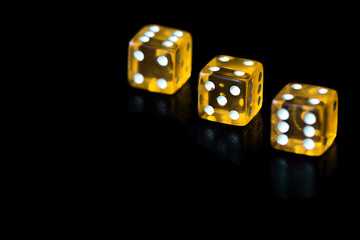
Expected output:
(159, 59)
(230, 90)
(304, 119)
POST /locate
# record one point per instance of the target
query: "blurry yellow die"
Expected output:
(159, 59)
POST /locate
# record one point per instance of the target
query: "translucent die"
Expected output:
(304, 119)
(230, 90)
(159, 59)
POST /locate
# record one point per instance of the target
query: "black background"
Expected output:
(152, 151)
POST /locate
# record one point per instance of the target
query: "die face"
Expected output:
(230, 90)
(304, 119)
(159, 59)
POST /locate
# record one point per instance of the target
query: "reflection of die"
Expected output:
(230, 90)
(304, 119)
(159, 59)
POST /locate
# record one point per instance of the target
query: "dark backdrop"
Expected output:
(152, 150)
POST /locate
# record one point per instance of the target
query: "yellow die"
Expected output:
(230, 90)
(159, 59)
(304, 119)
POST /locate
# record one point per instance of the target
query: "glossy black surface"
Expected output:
(154, 148)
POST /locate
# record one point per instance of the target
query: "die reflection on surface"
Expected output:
(230, 90)
(177, 105)
(231, 143)
(159, 59)
(298, 176)
(304, 119)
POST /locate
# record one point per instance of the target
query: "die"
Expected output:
(159, 59)
(304, 119)
(230, 90)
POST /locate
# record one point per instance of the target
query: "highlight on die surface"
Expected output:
(230, 90)
(304, 119)
(159, 59)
